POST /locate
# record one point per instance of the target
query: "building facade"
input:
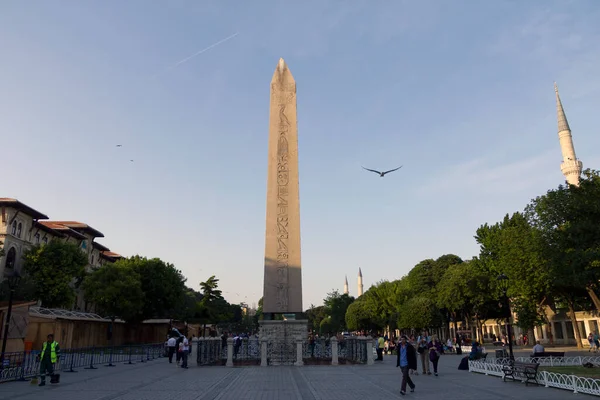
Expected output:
(22, 227)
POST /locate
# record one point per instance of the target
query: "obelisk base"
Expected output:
(282, 340)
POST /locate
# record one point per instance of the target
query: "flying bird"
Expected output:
(131, 160)
(119, 145)
(382, 174)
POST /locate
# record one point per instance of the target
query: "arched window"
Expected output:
(11, 257)
(19, 230)
(45, 240)
(36, 239)
(14, 228)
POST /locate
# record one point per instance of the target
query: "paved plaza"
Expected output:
(163, 381)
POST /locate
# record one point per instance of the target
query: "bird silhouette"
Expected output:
(119, 145)
(382, 174)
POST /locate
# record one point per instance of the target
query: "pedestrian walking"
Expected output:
(172, 346)
(185, 349)
(407, 360)
(48, 358)
(435, 351)
(423, 350)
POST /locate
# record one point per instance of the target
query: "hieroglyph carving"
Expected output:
(282, 95)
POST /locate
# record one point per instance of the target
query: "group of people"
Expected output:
(178, 345)
(429, 349)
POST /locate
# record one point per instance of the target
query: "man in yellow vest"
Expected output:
(48, 358)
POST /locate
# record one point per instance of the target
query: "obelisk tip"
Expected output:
(555, 87)
(281, 65)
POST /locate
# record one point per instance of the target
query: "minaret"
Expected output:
(360, 284)
(571, 167)
(346, 285)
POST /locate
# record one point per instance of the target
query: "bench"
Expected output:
(554, 354)
(519, 370)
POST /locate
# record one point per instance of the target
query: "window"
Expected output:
(92, 262)
(581, 326)
(593, 325)
(570, 332)
(14, 228)
(558, 331)
(84, 244)
(19, 230)
(11, 257)
(45, 240)
(36, 238)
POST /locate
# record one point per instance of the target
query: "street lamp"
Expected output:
(503, 285)
(13, 282)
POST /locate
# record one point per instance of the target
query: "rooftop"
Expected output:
(16, 204)
(61, 229)
(80, 226)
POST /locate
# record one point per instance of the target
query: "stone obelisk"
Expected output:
(283, 274)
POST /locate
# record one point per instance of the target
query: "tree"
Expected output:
(336, 305)
(116, 291)
(515, 248)
(315, 315)
(423, 314)
(567, 219)
(358, 316)
(56, 269)
(211, 305)
(163, 285)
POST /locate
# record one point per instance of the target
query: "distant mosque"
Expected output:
(359, 284)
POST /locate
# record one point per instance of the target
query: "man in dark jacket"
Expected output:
(407, 360)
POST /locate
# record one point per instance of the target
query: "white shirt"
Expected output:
(538, 348)
(186, 344)
(171, 342)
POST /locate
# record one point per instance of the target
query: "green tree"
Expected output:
(163, 285)
(315, 315)
(516, 248)
(358, 317)
(336, 305)
(56, 269)
(116, 291)
(211, 305)
(423, 314)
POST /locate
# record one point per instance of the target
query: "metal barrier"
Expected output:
(21, 366)
(210, 351)
(353, 350)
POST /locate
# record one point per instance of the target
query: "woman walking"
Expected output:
(423, 351)
(435, 350)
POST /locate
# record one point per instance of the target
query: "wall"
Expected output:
(84, 333)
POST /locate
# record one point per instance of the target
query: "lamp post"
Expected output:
(13, 282)
(503, 284)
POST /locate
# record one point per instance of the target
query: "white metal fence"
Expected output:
(577, 384)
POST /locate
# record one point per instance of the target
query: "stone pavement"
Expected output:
(159, 380)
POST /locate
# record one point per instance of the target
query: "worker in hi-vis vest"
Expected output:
(48, 358)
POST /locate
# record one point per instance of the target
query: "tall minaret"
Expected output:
(571, 167)
(360, 284)
(346, 285)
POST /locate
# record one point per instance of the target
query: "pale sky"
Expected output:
(459, 92)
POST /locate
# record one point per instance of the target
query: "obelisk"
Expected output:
(283, 274)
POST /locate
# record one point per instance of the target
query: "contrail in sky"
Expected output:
(178, 63)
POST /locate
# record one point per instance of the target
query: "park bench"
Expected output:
(546, 354)
(520, 370)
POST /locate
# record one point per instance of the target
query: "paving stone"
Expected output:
(159, 380)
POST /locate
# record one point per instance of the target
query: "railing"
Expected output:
(353, 350)
(210, 351)
(577, 384)
(24, 365)
(247, 352)
(317, 351)
(550, 361)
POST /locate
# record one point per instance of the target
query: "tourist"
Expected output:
(171, 345)
(185, 349)
(538, 348)
(407, 360)
(380, 345)
(435, 351)
(422, 349)
(593, 346)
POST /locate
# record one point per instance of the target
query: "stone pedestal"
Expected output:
(229, 352)
(334, 351)
(370, 360)
(281, 339)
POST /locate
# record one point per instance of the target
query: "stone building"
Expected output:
(22, 227)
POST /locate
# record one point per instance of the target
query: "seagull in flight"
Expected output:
(119, 145)
(382, 174)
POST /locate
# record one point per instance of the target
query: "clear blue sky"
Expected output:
(460, 93)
